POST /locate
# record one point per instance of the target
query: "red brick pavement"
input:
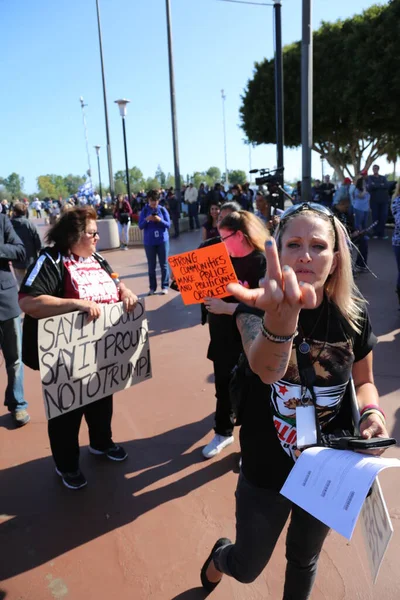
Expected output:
(142, 529)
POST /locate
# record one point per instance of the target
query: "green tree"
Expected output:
(170, 181)
(152, 184)
(14, 184)
(72, 183)
(51, 186)
(160, 175)
(237, 176)
(136, 180)
(355, 99)
(214, 174)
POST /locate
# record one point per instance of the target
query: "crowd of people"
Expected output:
(296, 308)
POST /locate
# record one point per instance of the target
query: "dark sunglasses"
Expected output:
(92, 233)
(310, 206)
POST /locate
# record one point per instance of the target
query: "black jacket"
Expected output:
(11, 249)
(29, 235)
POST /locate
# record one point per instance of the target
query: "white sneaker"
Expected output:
(218, 443)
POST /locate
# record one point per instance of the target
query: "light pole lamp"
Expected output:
(224, 126)
(97, 148)
(122, 104)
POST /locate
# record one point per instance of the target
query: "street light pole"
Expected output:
(224, 126)
(279, 96)
(306, 101)
(86, 138)
(122, 111)
(110, 169)
(177, 173)
(97, 148)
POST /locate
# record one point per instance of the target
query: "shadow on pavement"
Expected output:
(197, 593)
(172, 316)
(48, 520)
(7, 422)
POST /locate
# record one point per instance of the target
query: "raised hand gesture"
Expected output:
(280, 296)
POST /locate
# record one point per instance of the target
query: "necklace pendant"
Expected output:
(304, 348)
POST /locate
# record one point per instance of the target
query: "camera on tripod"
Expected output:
(268, 176)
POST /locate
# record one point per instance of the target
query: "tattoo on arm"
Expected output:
(249, 328)
(282, 357)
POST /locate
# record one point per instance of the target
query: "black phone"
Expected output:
(360, 443)
(154, 213)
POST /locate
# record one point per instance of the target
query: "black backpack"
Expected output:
(30, 354)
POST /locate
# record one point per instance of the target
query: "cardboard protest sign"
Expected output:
(377, 528)
(82, 362)
(203, 273)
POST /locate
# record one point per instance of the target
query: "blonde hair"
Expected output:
(340, 287)
(252, 228)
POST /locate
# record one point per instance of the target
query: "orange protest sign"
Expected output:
(203, 273)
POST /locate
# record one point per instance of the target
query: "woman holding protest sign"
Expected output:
(305, 332)
(244, 236)
(71, 276)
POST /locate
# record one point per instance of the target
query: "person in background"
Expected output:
(378, 187)
(155, 222)
(249, 193)
(29, 235)
(360, 201)
(85, 284)
(344, 212)
(315, 190)
(210, 229)
(296, 194)
(327, 190)
(4, 207)
(37, 205)
(241, 198)
(244, 237)
(193, 206)
(173, 206)
(344, 191)
(202, 199)
(122, 214)
(11, 249)
(396, 233)
(308, 298)
(265, 212)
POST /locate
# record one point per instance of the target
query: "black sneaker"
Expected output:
(73, 481)
(116, 453)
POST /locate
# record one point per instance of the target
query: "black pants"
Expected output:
(64, 432)
(224, 413)
(175, 220)
(261, 515)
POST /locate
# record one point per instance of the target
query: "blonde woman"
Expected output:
(244, 236)
(308, 309)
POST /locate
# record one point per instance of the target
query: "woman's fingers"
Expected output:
(273, 264)
(308, 295)
(250, 297)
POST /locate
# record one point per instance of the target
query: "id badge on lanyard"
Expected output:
(306, 426)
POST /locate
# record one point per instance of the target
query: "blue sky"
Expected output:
(50, 58)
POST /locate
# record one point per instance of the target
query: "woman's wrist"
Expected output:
(280, 328)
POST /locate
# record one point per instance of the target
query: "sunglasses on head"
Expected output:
(309, 206)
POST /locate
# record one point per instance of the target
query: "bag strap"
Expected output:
(308, 378)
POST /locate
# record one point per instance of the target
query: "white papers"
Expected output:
(332, 484)
(377, 528)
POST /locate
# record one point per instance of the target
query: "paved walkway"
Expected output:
(142, 529)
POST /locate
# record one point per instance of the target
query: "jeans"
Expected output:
(11, 345)
(194, 214)
(160, 251)
(261, 515)
(64, 432)
(123, 232)
(380, 211)
(361, 219)
(396, 250)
